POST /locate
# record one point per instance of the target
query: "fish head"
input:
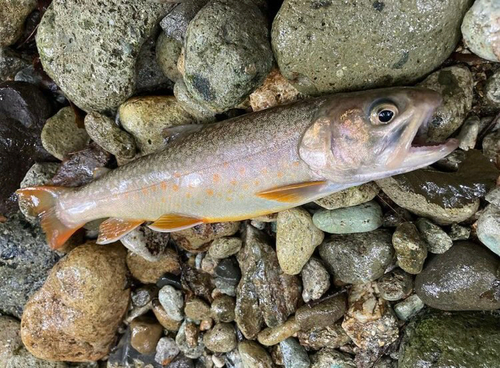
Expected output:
(362, 136)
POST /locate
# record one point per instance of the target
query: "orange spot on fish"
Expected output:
(280, 174)
(177, 175)
(163, 200)
(264, 170)
(144, 190)
(242, 171)
(256, 183)
(233, 182)
(226, 165)
(296, 163)
(216, 178)
(163, 185)
(210, 192)
(175, 187)
(188, 195)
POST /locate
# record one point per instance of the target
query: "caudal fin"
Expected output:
(41, 201)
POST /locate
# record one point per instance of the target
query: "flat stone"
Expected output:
(349, 197)
(488, 228)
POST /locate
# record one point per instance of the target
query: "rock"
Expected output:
(173, 302)
(10, 340)
(328, 357)
(197, 239)
(451, 340)
(493, 197)
(455, 84)
(296, 239)
(224, 247)
(469, 133)
(358, 258)
(411, 250)
(444, 197)
(369, 321)
(221, 338)
(408, 307)
(488, 228)
(198, 282)
(146, 333)
(492, 89)
(12, 17)
(88, 291)
(61, 134)
(175, 23)
(164, 318)
(321, 315)
(294, 355)
(327, 60)
(436, 238)
(166, 351)
(395, 285)
(147, 117)
(149, 272)
(253, 355)
(202, 113)
(102, 76)
(149, 75)
(464, 278)
(143, 295)
(276, 90)
(227, 276)
(109, 136)
(491, 146)
(274, 335)
(458, 232)
(315, 280)
(480, 29)
(349, 197)
(332, 336)
(265, 294)
(10, 64)
(168, 51)
(227, 54)
(222, 309)
(197, 310)
(25, 260)
(149, 244)
(357, 219)
(192, 352)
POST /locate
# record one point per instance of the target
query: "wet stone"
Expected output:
(169, 279)
(221, 338)
(294, 355)
(458, 232)
(176, 22)
(166, 351)
(149, 272)
(274, 335)
(187, 349)
(10, 64)
(488, 228)
(408, 307)
(349, 197)
(493, 197)
(197, 310)
(253, 355)
(328, 357)
(142, 296)
(164, 318)
(146, 333)
(411, 250)
(395, 285)
(173, 302)
(198, 238)
(316, 338)
(492, 89)
(168, 51)
(224, 247)
(12, 17)
(275, 90)
(436, 238)
(491, 145)
(227, 275)
(315, 280)
(323, 314)
(222, 309)
(149, 244)
(149, 76)
(469, 133)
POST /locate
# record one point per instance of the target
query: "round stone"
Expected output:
(221, 338)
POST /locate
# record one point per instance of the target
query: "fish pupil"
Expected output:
(385, 116)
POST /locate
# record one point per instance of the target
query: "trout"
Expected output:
(255, 164)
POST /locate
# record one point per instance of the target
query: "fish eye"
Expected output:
(383, 114)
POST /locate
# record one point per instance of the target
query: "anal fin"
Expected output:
(293, 193)
(115, 228)
(174, 222)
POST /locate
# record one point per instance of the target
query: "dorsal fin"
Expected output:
(293, 193)
(174, 222)
(115, 228)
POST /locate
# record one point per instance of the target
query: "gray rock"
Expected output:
(436, 238)
(488, 228)
(166, 350)
(294, 355)
(493, 197)
(12, 17)
(254, 355)
(395, 285)
(194, 108)
(316, 338)
(224, 247)
(10, 63)
(328, 357)
(469, 133)
(227, 54)
(149, 244)
(142, 296)
(491, 145)
(149, 75)
(464, 278)
(349, 197)
(61, 134)
(296, 239)
(173, 302)
(480, 29)
(233, 359)
(492, 89)
(109, 136)
(189, 351)
(222, 309)
(358, 258)
(458, 232)
(227, 275)
(455, 85)
(315, 280)
(168, 51)
(442, 340)
(221, 338)
(411, 250)
(313, 42)
(357, 219)
(90, 50)
(408, 307)
(175, 23)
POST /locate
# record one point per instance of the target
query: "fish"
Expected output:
(251, 165)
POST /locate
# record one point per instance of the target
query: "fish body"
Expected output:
(255, 164)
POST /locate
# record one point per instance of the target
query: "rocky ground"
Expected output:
(402, 272)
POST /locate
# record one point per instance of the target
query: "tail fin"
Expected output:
(41, 201)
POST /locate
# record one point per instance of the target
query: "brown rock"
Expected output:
(317, 338)
(221, 338)
(163, 317)
(197, 239)
(192, 334)
(274, 335)
(253, 355)
(75, 315)
(10, 340)
(197, 309)
(276, 90)
(323, 314)
(149, 272)
(146, 333)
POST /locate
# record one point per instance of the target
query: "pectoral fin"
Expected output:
(115, 228)
(174, 222)
(293, 193)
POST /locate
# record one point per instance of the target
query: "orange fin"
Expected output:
(42, 201)
(174, 222)
(115, 228)
(294, 192)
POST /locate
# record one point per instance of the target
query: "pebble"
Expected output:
(321, 315)
(143, 295)
(197, 310)
(253, 355)
(349, 197)
(455, 84)
(149, 244)
(315, 280)
(436, 238)
(227, 275)
(274, 335)
(164, 318)
(296, 239)
(149, 77)
(147, 117)
(317, 338)
(221, 338)
(168, 51)
(190, 351)
(61, 134)
(488, 228)
(357, 219)
(149, 272)
(464, 278)
(358, 258)
(109, 136)
(176, 22)
(314, 51)
(275, 90)
(493, 197)
(294, 355)
(10, 340)
(328, 358)
(197, 239)
(480, 30)
(411, 250)
(492, 89)
(10, 64)
(91, 283)
(458, 232)
(222, 309)
(224, 247)
(202, 113)
(395, 285)
(146, 333)
(469, 133)
(408, 307)
(12, 18)
(491, 146)
(166, 351)
(173, 302)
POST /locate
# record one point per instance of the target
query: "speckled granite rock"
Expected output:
(13, 13)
